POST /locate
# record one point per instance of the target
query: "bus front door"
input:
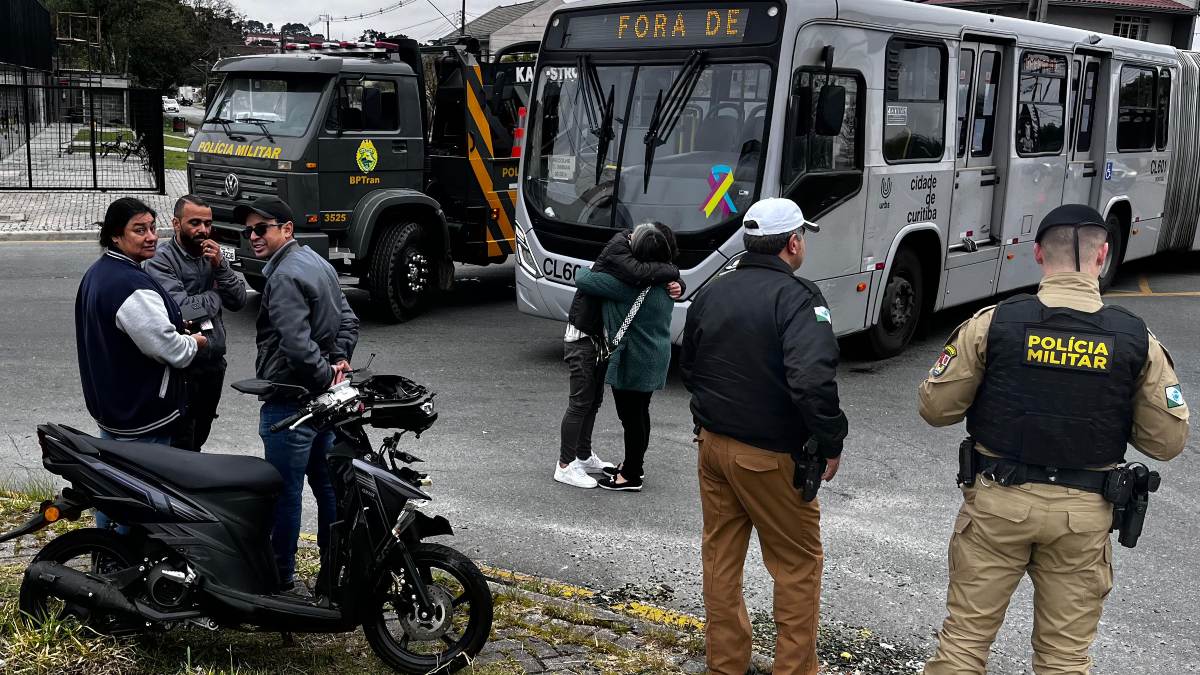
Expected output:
(1082, 169)
(976, 174)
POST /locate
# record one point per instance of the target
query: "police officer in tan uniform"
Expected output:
(1053, 387)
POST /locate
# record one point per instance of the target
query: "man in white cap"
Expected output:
(759, 358)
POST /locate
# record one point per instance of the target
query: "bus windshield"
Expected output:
(587, 162)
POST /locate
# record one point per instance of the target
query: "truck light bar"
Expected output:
(343, 47)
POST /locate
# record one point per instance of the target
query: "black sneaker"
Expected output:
(614, 470)
(610, 483)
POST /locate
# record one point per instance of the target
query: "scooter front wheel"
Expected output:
(452, 634)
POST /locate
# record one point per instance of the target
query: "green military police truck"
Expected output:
(396, 160)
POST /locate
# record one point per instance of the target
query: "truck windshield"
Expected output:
(704, 173)
(284, 105)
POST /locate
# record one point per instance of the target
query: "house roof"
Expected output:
(1166, 6)
(493, 20)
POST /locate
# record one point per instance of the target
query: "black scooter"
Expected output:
(198, 550)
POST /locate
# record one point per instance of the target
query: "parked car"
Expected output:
(170, 105)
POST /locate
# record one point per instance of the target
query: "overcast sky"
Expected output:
(417, 19)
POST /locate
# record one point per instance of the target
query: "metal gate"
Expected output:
(71, 137)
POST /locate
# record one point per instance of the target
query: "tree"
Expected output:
(295, 29)
(251, 26)
(372, 35)
(270, 28)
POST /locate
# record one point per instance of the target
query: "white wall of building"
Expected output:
(1102, 21)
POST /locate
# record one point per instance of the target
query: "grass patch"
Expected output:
(172, 142)
(175, 160)
(85, 135)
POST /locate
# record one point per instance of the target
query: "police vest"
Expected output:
(1059, 385)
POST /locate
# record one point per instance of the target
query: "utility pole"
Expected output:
(462, 32)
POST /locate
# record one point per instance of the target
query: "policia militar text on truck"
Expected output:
(396, 160)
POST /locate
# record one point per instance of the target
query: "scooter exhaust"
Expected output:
(78, 587)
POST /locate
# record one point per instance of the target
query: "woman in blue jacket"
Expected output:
(639, 363)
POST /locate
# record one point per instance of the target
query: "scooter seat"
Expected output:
(184, 468)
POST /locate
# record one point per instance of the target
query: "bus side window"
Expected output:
(1041, 104)
(914, 101)
(820, 172)
(1136, 110)
(1164, 108)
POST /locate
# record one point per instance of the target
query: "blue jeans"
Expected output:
(295, 454)
(102, 521)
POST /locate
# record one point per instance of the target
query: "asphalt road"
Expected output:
(502, 389)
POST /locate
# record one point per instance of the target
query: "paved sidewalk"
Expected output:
(71, 215)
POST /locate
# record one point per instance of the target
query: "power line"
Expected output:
(356, 17)
(415, 25)
(452, 25)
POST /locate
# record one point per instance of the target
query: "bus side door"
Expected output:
(976, 173)
(1083, 174)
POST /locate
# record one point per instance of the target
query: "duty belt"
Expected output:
(1007, 472)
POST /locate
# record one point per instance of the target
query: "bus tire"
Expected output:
(902, 308)
(1116, 252)
(401, 275)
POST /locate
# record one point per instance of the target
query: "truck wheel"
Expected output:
(903, 305)
(1116, 252)
(256, 282)
(401, 276)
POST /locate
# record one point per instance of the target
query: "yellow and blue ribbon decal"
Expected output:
(720, 181)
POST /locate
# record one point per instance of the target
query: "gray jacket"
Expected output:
(201, 293)
(305, 323)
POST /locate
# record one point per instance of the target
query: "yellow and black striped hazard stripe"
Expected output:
(500, 234)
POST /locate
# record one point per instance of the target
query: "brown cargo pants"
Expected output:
(1059, 536)
(743, 487)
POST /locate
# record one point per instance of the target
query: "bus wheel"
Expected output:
(1116, 252)
(902, 307)
(401, 276)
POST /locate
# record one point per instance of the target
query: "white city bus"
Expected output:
(928, 142)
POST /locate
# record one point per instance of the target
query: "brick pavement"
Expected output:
(77, 212)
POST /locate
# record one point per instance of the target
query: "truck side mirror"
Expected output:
(831, 110)
(210, 96)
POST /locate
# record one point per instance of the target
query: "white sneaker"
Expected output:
(593, 464)
(574, 475)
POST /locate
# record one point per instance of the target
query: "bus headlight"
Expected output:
(525, 256)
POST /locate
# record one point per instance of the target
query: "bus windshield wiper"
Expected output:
(224, 122)
(669, 108)
(262, 124)
(599, 111)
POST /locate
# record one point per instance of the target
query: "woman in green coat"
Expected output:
(639, 363)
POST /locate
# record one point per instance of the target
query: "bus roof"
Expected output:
(944, 22)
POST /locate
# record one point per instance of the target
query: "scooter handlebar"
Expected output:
(288, 421)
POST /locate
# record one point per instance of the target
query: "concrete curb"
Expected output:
(639, 626)
(61, 235)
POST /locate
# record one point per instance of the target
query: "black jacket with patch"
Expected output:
(760, 360)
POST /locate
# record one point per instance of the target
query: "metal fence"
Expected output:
(80, 138)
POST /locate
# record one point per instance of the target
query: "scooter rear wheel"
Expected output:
(459, 627)
(91, 550)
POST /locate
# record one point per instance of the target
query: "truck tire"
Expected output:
(902, 307)
(255, 282)
(1116, 252)
(401, 277)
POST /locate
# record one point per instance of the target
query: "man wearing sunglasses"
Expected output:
(306, 336)
(191, 269)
